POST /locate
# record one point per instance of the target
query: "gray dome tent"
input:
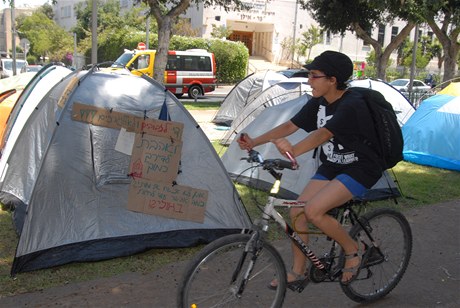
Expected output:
(280, 92)
(244, 93)
(79, 191)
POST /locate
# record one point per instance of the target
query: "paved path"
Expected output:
(204, 117)
(432, 279)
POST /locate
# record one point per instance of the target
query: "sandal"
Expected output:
(298, 284)
(362, 255)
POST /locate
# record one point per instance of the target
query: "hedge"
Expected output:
(231, 57)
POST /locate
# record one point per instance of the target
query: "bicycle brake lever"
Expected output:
(294, 163)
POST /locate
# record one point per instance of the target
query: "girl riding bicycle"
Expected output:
(335, 118)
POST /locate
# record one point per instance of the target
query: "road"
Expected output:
(216, 96)
(432, 278)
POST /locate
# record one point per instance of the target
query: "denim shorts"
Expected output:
(356, 188)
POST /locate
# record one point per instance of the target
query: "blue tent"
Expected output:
(432, 133)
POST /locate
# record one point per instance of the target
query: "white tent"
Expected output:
(401, 105)
(33, 93)
(80, 190)
(244, 93)
(280, 92)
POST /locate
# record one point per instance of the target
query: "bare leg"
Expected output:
(330, 196)
(300, 225)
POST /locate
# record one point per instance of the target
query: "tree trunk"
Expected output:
(164, 22)
(450, 46)
(161, 56)
(382, 55)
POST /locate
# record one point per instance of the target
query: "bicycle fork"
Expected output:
(253, 246)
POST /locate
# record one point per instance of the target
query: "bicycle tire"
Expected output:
(392, 233)
(207, 278)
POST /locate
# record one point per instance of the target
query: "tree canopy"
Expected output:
(47, 39)
(361, 16)
(165, 13)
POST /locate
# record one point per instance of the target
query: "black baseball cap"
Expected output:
(332, 63)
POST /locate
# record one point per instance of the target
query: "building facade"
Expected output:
(267, 29)
(269, 26)
(6, 29)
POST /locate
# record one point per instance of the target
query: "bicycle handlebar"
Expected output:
(278, 164)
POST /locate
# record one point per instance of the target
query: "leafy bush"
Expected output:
(232, 60)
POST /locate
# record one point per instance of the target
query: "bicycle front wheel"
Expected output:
(386, 264)
(224, 274)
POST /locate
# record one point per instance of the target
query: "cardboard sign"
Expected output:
(115, 119)
(168, 129)
(67, 91)
(103, 117)
(155, 158)
(162, 199)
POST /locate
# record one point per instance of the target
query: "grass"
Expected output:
(202, 105)
(420, 185)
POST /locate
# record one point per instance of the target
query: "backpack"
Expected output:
(388, 131)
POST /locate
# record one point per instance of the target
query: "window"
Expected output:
(430, 35)
(366, 45)
(327, 38)
(394, 32)
(66, 11)
(381, 35)
(141, 62)
(189, 63)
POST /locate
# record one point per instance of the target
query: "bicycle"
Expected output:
(234, 271)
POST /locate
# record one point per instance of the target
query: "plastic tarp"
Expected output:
(432, 134)
(74, 184)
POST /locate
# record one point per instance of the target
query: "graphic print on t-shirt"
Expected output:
(334, 155)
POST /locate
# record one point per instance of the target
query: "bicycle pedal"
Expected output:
(375, 257)
(298, 286)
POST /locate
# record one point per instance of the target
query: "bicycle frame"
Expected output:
(269, 212)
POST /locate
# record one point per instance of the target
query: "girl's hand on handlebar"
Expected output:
(245, 142)
(283, 146)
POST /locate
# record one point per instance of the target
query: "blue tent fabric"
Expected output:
(164, 113)
(432, 134)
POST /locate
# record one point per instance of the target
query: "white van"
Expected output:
(6, 67)
(192, 71)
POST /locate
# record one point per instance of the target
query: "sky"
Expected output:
(19, 3)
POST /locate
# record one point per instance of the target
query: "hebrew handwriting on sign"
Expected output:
(162, 199)
(114, 119)
(155, 158)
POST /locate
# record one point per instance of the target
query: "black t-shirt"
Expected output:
(349, 120)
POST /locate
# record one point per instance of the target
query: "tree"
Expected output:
(220, 31)
(310, 38)
(166, 11)
(183, 27)
(361, 17)
(46, 38)
(422, 56)
(47, 9)
(109, 18)
(447, 14)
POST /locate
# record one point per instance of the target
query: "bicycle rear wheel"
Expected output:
(215, 276)
(392, 234)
